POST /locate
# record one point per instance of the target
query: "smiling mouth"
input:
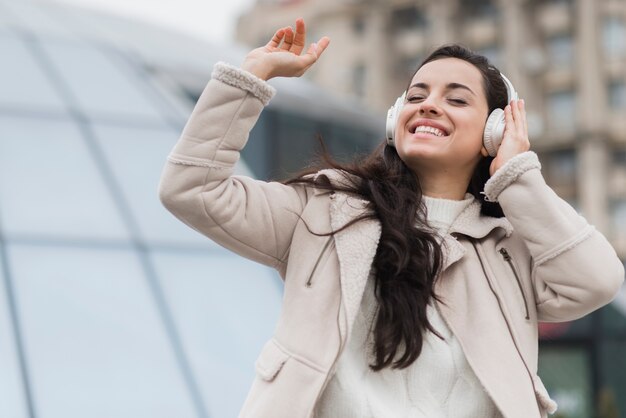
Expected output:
(424, 129)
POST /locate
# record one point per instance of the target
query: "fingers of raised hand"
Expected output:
(322, 44)
(278, 36)
(524, 118)
(314, 51)
(299, 38)
(519, 116)
(516, 124)
(288, 39)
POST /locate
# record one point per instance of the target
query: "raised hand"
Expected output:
(282, 55)
(515, 140)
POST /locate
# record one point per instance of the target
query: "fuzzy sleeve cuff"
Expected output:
(509, 172)
(245, 80)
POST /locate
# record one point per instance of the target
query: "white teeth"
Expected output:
(430, 130)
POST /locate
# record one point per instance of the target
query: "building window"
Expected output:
(559, 168)
(408, 18)
(408, 67)
(358, 80)
(614, 37)
(567, 3)
(492, 53)
(358, 25)
(561, 113)
(480, 9)
(561, 51)
(617, 95)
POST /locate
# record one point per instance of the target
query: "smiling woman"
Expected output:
(415, 276)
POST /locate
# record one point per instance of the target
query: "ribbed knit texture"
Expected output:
(439, 384)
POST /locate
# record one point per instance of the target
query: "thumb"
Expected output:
(312, 49)
(311, 55)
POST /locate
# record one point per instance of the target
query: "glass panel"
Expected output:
(565, 371)
(613, 362)
(561, 112)
(137, 157)
(22, 82)
(7, 21)
(101, 83)
(561, 51)
(94, 340)
(49, 184)
(31, 16)
(12, 402)
(617, 96)
(614, 37)
(225, 307)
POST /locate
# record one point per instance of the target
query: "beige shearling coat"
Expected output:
(542, 262)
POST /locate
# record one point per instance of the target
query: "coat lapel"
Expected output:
(471, 223)
(356, 247)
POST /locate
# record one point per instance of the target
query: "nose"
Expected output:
(429, 106)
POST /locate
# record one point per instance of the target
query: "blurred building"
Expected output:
(110, 307)
(567, 59)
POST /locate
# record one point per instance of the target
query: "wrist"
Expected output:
(258, 70)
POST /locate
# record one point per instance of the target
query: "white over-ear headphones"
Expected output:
(494, 127)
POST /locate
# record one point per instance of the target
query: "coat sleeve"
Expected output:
(575, 270)
(253, 218)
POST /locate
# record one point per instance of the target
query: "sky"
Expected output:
(212, 20)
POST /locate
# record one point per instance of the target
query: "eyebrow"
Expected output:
(449, 86)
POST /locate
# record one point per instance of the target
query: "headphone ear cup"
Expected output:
(392, 119)
(391, 125)
(494, 131)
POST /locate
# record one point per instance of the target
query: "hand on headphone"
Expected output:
(281, 55)
(515, 139)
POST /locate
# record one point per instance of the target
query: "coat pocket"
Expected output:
(270, 361)
(543, 398)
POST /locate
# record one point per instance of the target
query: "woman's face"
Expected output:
(441, 124)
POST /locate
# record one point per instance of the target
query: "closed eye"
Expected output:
(458, 101)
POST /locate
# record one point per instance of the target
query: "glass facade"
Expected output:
(109, 306)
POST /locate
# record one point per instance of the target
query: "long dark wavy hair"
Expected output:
(409, 257)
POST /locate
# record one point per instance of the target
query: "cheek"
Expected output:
(471, 127)
(402, 120)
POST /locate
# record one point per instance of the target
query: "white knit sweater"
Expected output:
(439, 384)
